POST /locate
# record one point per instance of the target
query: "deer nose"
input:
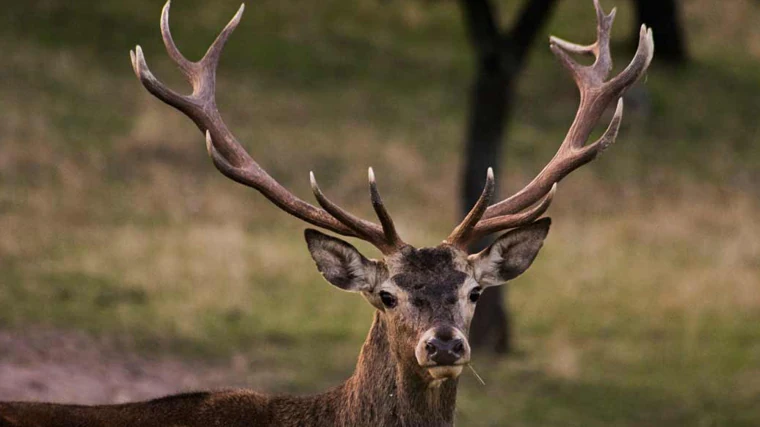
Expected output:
(442, 346)
(444, 351)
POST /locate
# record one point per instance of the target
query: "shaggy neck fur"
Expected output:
(385, 391)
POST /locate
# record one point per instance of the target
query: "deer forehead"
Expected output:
(429, 272)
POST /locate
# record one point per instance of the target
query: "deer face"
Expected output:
(427, 297)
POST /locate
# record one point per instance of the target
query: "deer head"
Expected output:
(425, 297)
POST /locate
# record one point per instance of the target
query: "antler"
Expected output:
(596, 95)
(231, 158)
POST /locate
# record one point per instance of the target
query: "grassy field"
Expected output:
(643, 309)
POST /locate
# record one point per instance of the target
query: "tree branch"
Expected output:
(482, 28)
(529, 22)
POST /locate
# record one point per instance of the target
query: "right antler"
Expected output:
(231, 158)
(596, 95)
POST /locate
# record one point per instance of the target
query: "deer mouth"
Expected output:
(444, 372)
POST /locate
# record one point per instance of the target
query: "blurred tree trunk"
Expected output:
(500, 56)
(665, 19)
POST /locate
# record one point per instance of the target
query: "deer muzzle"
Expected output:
(443, 351)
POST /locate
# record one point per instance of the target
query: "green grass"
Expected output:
(643, 308)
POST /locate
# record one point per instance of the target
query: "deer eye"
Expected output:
(475, 294)
(387, 299)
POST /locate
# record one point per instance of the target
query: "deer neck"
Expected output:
(387, 391)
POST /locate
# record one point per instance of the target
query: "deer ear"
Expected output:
(341, 264)
(511, 254)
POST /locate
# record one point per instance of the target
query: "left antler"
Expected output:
(596, 95)
(231, 158)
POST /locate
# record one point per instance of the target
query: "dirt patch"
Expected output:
(70, 367)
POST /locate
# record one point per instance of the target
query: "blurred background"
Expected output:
(130, 268)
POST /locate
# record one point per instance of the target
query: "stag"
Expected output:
(424, 298)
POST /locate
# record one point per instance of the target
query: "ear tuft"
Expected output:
(340, 263)
(511, 254)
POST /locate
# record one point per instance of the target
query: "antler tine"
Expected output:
(603, 64)
(596, 95)
(187, 67)
(389, 229)
(462, 233)
(362, 228)
(227, 154)
(154, 86)
(493, 225)
(573, 47)
(638, 66)
(608, 137)
(215, 50)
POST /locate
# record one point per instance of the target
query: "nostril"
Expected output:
(458, 347)
(430, 348)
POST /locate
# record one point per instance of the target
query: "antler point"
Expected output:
(209, 143)
(239, 13)
(138, 60)
(371, 175)
(313, 182)
(549, 198)
(599, 10)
